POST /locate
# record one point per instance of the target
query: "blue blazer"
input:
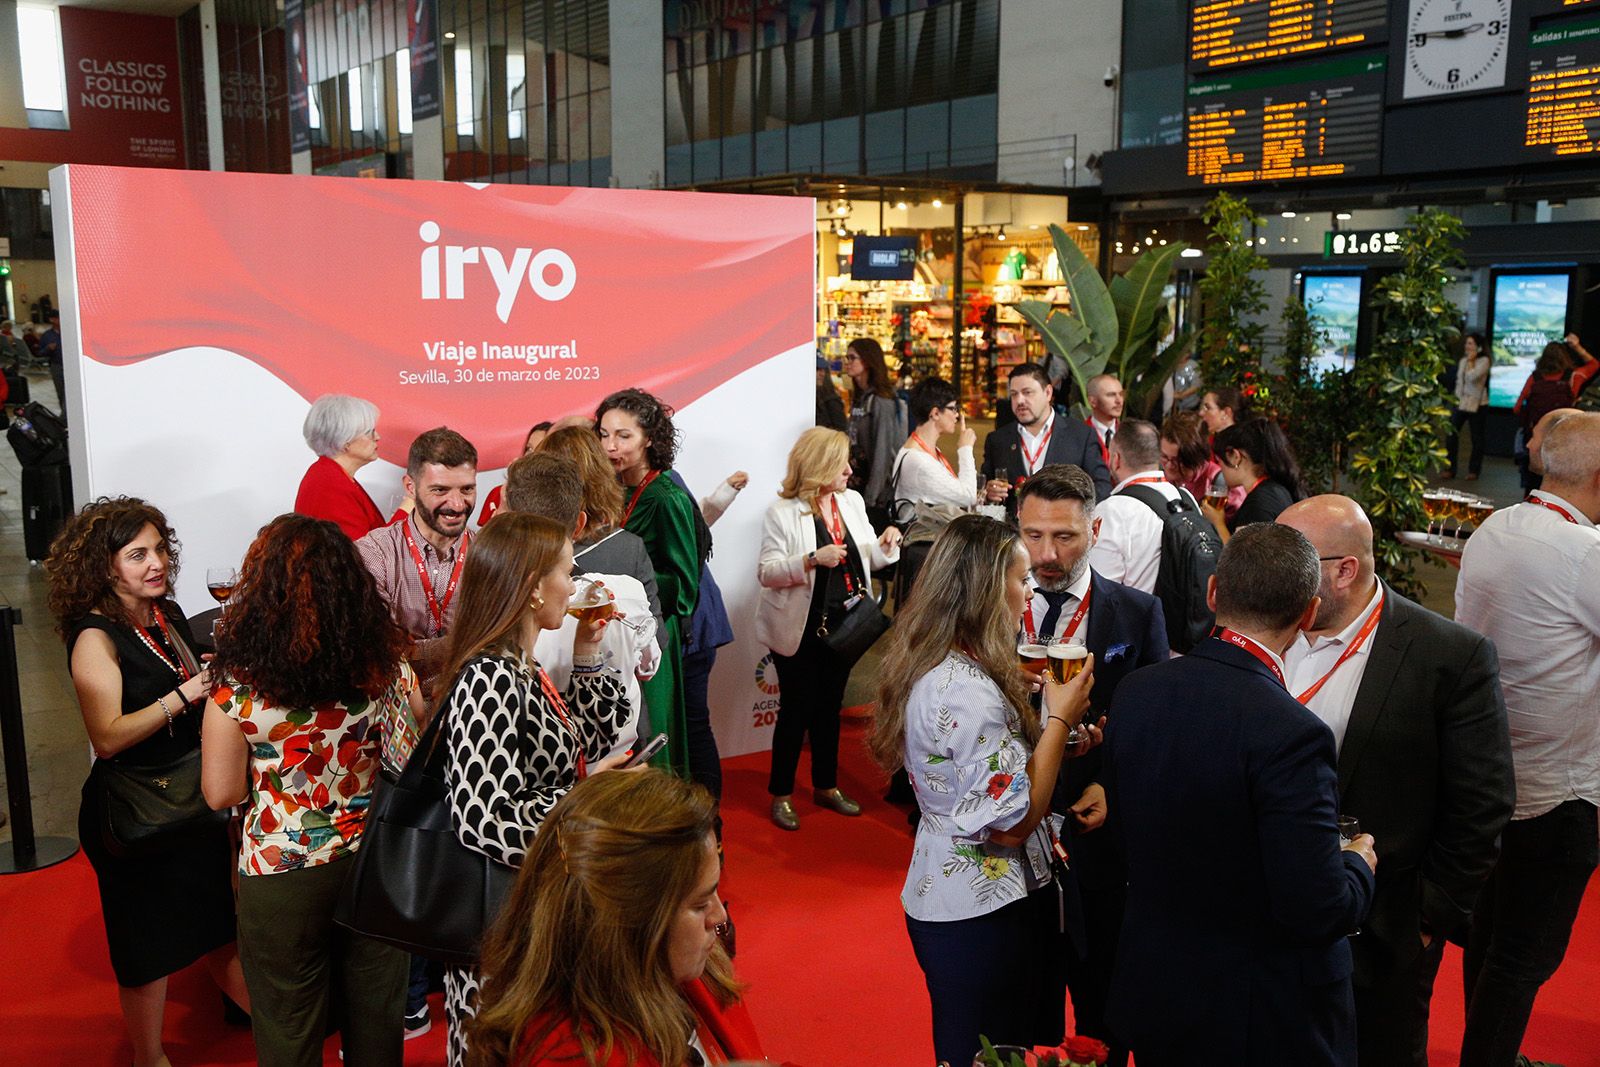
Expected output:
(1224, 792)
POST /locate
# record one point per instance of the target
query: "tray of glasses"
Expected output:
(1437, 543)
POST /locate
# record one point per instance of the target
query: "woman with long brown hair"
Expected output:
(954, 711)
(311, 680)
(516, 744)
(879, 425)
(141, 690)
(608, 951)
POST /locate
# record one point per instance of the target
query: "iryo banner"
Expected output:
(484, 308)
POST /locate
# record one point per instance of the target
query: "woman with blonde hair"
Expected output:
(818, 552)
(515, 744)
(608, 951)
(954, 711)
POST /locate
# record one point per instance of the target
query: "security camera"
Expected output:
(1110, 78)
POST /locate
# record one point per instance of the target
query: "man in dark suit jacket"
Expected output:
(1125, 630)
(1223, 787)
(1424, 763)
(1009, 457)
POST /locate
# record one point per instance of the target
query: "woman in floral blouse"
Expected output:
(310, 677)
(954, 711)
(516, 743)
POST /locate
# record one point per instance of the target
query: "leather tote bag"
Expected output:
(415, 885)
(156, 808)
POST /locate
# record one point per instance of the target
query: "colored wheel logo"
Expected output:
(767, 676)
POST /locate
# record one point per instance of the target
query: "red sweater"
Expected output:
(727, 1031)
(327, 492)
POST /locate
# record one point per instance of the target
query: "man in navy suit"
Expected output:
(1125, 630)
(1039, 438)
(1225, 792)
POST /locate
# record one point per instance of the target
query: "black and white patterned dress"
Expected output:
(511, 758)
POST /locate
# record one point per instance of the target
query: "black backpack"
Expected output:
(1189, 550)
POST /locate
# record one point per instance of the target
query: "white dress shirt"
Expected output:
(1530, 582)
(1129, 547)
(1307, 661)
(1075, 594)
(922, 478)
(1101, 429)
(1034, 444)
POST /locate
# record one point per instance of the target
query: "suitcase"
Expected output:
(38, 436)
(18, 384)
(46, 503)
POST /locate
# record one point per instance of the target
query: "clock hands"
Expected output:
(1452, 34)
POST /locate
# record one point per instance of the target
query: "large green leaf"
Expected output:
(1066, 337)
(1091, 302)
(1144, 392)
(1136, 296)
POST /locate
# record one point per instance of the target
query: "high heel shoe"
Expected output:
(835, 799)
(783, 814)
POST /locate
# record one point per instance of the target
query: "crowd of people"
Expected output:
(1176, 752)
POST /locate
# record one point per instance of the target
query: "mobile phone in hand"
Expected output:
(650, 748)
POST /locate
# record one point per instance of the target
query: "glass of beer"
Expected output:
(1217, 495)
(1433, 505)
(1067, 659)
(591, 601)
(1031, 654)
(1481, 509)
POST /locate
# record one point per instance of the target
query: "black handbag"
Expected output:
(414, 884)
(862, 623)
(152, 809)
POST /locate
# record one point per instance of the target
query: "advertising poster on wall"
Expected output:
(294, 40)
(422, 35)
(1334, 302)
(1530, 311)
(486, 309)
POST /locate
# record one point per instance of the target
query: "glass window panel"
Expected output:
(804, 101)
(463, 93)
(679, 103)
(734, 109)
(358, 119)
(537, 134)
(841, 145)
(928, 137)
(707, 161)
(842, 84)
(561, 150)
(701, 128)
(578, 126)
(43, 69)
(736, 161)
(928, 37)
(516, 94)
(975, 58)
(772, 88)
(402, 89)
(885, 142)
(805, 147)
(600, 129)
(772, 155)
(974, 129)
(678, 168)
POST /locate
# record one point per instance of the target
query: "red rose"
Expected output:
(1081, 1049)
(998, 784)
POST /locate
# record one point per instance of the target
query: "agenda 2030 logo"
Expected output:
(765, 712)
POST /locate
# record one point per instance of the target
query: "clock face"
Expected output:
(1456, 46)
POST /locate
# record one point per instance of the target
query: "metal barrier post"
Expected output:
(24, 852)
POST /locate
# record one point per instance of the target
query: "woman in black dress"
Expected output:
(141, 691)
(1255, 456)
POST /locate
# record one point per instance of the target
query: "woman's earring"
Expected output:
(536, 603)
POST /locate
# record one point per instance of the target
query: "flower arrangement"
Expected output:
(1077, 1052)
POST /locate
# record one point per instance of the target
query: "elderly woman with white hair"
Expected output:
(343, 432)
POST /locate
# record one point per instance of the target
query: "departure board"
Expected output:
(1227, 33)
(1563, 109)
(1322, 120)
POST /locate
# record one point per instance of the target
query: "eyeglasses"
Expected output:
(1333, 559)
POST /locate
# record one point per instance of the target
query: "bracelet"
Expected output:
(588, 663)
(1060, 720)
(162, 700)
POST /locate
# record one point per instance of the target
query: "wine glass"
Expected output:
(1349, 829)
(220, 582)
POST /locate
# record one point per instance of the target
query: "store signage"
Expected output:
(422, 36)
(294, 39)
(1337, 244)
(483, 308)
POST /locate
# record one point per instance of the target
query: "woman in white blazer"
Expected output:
(818, 551)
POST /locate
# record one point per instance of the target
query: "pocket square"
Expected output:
(1116, 652)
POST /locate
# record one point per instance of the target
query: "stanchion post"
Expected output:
(23, 852)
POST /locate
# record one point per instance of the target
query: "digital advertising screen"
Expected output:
(1334, 302)
(1530, 311)
(884, 259)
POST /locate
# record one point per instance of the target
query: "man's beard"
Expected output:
(430, 519)
(1060, 585)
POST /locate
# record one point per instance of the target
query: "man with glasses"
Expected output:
(1424, 762)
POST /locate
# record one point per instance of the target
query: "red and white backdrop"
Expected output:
(204, 312)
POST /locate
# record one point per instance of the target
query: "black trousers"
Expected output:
(1521, 926)
(810, 689)
(1392, 1012)
(1478, 422)
(705, 763)
(1001, 975)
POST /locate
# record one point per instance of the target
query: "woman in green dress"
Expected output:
(639, 439)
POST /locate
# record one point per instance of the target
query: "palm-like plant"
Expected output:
(1114, 328)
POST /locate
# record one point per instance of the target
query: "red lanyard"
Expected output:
(1072, 623)
(178, 668)
(436, 608)
(1100, 440)
(1030, 460)
(1151, 480)
(835, 527)
(1557, 508)
(637, 493)
(1239, 640)
(1255, 485)
(1355, 645)
(935, 453)
(559, 705)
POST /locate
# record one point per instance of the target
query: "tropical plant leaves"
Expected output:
(1091, 301)
(1140, 308)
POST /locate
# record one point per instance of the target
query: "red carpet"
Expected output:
(822, 944)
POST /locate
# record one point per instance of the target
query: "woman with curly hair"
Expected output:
(516, 744)
(140, 689)
(607, 952)
(637, 434)
(311, 684)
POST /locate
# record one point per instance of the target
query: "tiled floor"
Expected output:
(58, 748)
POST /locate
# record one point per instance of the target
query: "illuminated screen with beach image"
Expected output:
(1530, 311)
(1334, 301)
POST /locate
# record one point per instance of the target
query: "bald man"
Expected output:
(1549, 422)
(1414, 704)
